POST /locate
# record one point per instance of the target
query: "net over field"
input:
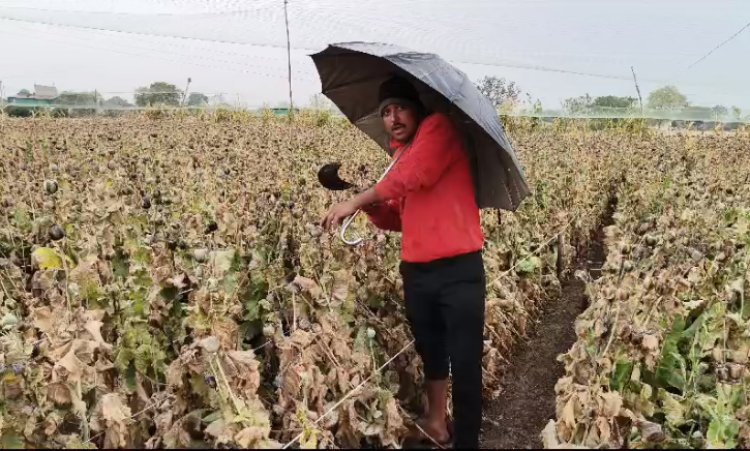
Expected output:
(237, 51)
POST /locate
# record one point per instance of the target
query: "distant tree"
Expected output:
(614, 102)
(736, 113)
(578, 105)
(667, 98)
(534, 105)
(498, 90)
(117, 102)
(701, 113)
(24, 93)
(114, 106)
(537, 107)
(76, 104)
(720, 111)
(159, 93)
(197, 99)
(14, 111)
(78, 99)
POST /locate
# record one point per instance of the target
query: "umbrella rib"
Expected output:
(349, 85)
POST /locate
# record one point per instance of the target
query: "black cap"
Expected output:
(397, 89)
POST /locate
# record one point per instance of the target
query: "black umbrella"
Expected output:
(351, 73)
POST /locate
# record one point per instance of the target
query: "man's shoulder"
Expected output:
(438, 120)
(437, 126)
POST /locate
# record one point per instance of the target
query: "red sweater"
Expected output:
(429, 195)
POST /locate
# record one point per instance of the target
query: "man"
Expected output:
(429, 196)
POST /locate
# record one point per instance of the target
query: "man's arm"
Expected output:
(436, 146)
(340, 211)
(384, 215)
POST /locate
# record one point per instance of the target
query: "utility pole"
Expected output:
(289, 58)
(637, 89)
(184, 94)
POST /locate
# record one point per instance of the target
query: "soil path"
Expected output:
(527, 400)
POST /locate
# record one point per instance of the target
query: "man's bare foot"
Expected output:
(435, 430)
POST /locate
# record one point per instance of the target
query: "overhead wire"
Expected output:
(327, 12)
(153, 34)
(321, 11)
(152, 14)
(303, 12)
(324, 13)
(190, 61)
(720, 45)
(159, 48)
(226, 62)
(465, 61)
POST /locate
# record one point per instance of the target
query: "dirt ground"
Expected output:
(527, 401)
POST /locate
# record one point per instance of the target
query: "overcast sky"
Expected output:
(553, 49)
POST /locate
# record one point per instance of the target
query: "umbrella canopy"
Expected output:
(352, 72)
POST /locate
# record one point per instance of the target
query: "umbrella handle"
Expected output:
(350, 219)
(346, 225)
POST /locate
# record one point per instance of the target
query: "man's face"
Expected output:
(401, 122)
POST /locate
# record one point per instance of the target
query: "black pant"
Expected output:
(445, 308)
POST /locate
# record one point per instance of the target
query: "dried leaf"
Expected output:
(568, 416)
(116, 416)
(612, 404)
(251, 437)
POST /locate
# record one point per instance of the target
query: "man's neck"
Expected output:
(401, 143)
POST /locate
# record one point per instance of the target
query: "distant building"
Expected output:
(43, 96)
(283, 111)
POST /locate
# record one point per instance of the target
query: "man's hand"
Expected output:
(338, 213)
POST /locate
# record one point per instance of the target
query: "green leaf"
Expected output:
(528, 265)
(120, 265)
(210, 418)
(90, 292)
(251, 296)
(169, 293)
(730, 398)
(22, 220)
(130, 378)
(695, 324)
(223, 260)
(673, 408)
(671, 371)
(142, 256)
(8, 321)
(230, 283)
(11, 439)
(621, 375)
(722, 432)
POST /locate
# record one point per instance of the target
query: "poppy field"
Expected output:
(164, 282)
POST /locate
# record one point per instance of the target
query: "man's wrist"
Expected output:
(368, 197)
